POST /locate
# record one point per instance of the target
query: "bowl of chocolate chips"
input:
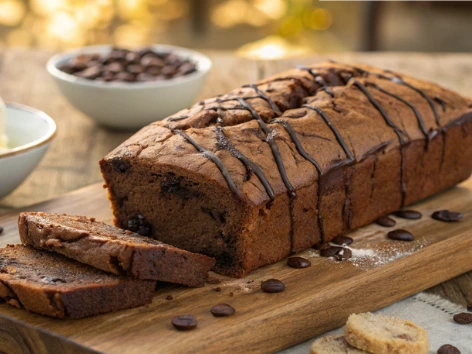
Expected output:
(129, 88)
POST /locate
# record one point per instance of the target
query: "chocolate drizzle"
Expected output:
(251, 166)
(213, 158)
(262, 95)
(397, 131)
(318, 79)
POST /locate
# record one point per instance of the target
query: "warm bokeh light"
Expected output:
(272, 48)
(11, 12)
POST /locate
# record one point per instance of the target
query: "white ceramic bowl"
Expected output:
(30, 133)
(130, 105)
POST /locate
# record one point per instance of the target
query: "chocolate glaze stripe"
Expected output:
(226, 144)
(262, 95)
(213, 158)
(339, 138)
(298, 145)
(280, 165)
(419, 118)
(318, 79)
(273, 146)
(397, 131)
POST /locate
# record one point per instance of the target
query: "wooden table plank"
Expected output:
(316, 299)
(71, 162)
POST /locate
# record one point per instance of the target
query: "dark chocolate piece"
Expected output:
(272, 286)
(446, 215)
(400, 235)
(222, 310)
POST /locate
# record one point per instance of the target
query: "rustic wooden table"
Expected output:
(72, 160)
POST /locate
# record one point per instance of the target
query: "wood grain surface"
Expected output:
(316, 299)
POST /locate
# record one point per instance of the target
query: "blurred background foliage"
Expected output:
(283, 26)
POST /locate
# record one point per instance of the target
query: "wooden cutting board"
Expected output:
(316, 299)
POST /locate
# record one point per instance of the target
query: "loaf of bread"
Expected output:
(112, 249)
(273, 168)
(52, 285)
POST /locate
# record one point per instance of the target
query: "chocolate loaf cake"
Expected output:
(52, 285)
(273, 168)
(112, 249)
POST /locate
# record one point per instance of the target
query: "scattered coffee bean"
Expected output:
(1, 229)
(400, 235)
(408, 214)
(446, 215)
(463, 318)
(222, 310)
(331, 251)
(217, 289)
(184, 322)
(212, 280)
(386, 221)
(343, 255)
(129, 66)
(169, 297)
(272, 286)
(298, 262)
(342, 240)
(448, 349)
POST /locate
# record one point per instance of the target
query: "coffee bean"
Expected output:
(135, 69)
(386, 221)
(184, 322)
(114, 68)
(343, 255)
(331, 251)
(463, 318)
(448, 349)
(408, 214)
(446, 215)
(298, 262)
(342, 240)
(222, 310)
(272, 286)
(1, 229)
(169, 297)
(124, 76)
(90, 73)
(400, 235)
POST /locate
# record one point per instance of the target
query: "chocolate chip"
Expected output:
(408, 214)
(448, 349)
(298, 262)
(184, 322)
(169, 297)
(272, 286)
(386, 221)
(222, 310)
(120, 165)
(139, 225)
(463, 318)
(446, 215)
(330, 251)
(343, 255)
(1, 229)
(342, 240)
(400, 235)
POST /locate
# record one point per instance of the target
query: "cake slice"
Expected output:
(112, 249)
(52, 285)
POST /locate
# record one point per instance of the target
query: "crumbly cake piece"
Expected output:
(385, 335)
(52, 285)
(335, 344)
(274, 168)
(112, 249)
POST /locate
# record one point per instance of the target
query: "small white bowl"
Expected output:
(30, 133)
(130, 105)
